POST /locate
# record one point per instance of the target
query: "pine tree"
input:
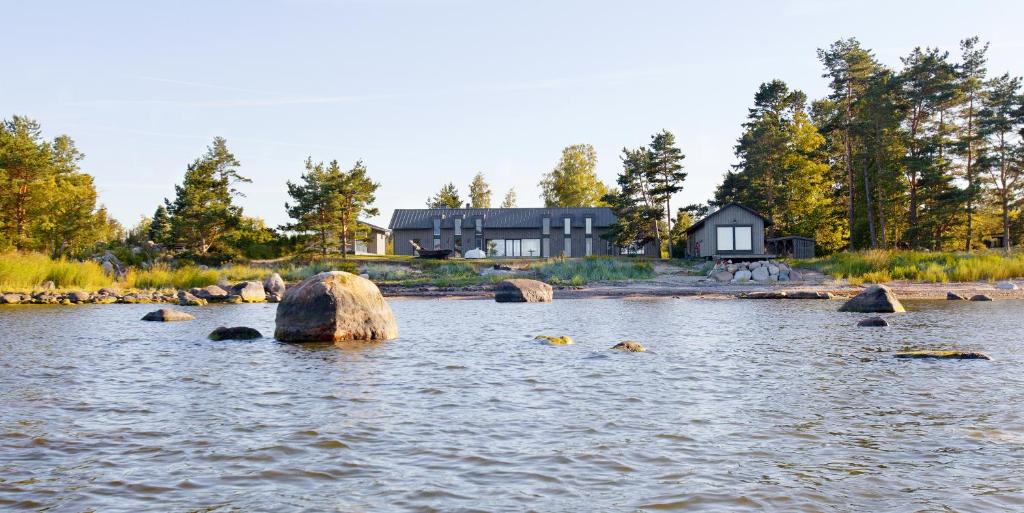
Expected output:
(356, 192)
(479, 192)
(999, 122)
(202, 211)
(160, 226)
(637, 211)
(314, 207)
(666, 172)
(971, 78)
(447, 197)
(510, 199)
(573, 182)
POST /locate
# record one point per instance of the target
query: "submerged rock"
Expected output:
(873, 322)
(334, 306)
(980, 297)
(630, 346)
(555, 341)
(876, 299)
(250, 291)
(166, 314)
(235, 333)
(523, 291)
(765, 294)
(953, 296)
(951, 355)
(808, 294)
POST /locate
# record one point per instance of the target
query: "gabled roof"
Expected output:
(372, 226)
(423, 218)
(698, 224)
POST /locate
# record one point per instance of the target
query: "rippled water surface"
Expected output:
(737, 406)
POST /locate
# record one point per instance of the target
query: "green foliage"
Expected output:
(46, 202)
(25, 270)
(510, 199)
(573, 182)
(447, 197)
(592, 269)
(879, 266)
(160, 226)
(479, 192)
(162, 276)
(202, 211)
(637, 210)
(329, 202)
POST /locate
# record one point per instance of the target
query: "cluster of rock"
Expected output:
(765, 271)
(271, 290)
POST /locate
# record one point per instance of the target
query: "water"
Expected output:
(737, 406)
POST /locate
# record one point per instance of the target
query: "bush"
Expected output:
(27, 270)
(878, 266)
(590, 269)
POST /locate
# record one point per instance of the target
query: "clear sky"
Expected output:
(430, 92)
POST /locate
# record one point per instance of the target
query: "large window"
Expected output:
(545, 226)
(567, 246)
(514, 247)
(567, 224)
(457, 225)
(590, 226)
(437, 233)
(734, 238)
(545, 247)
(590, 246)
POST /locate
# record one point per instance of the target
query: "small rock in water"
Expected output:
(948, 355)
(953, 296)
(629, 345)
(980, 297)
(166, 314)
(555, 341)
(235, 333)
(873, 322)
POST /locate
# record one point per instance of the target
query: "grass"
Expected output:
(578, 272)
(880, 266)
(25, 271)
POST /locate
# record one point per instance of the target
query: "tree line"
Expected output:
(927, 156)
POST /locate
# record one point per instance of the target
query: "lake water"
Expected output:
(736, 406)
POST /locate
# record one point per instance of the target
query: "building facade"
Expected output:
(376, 241)
(509, 232)
(733, 231)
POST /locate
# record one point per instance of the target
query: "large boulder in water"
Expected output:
(334, 306)
(250, 291)
(875, 299)
(274, 285)
(523, 291)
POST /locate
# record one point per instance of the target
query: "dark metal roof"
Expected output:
(698, 224)
(422, 218)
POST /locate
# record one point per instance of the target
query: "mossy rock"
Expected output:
(943, 354)
(630, 346)
(555, 341)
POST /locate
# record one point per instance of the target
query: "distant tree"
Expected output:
(479, 192)
(573, 182)
(447, 197)
(202, 211)
(999, 122)
(666, 172)
(510, 199)
(971, 81)
(329, 202)
(160, 226)
(636, 209)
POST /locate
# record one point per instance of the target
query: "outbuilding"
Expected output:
(792, 246)
(733, 231)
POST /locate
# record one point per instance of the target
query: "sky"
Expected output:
(427, 92)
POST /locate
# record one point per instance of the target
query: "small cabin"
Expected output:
(733, 231)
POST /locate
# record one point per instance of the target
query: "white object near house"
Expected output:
(475, 253)
(1006, 285)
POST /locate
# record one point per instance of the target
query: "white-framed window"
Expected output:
(567, 247)
(458, 225)
(479, 224)
(567, 224)
(437, 227)
(545, 226)
(590, 246)
(589, 226)
(545, 247)
(734, 238)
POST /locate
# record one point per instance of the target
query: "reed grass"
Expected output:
(22, 271)
(880, 266)
(591, 269)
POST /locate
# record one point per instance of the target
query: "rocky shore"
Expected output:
(271, 290)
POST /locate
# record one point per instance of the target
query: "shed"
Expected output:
(733, 231)
(793, 246)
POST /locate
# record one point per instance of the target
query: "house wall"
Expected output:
(377, 243)
(578, 248)
(729, 216)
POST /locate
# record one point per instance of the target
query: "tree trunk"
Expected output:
(848, 155)
(1006, 223)
(878, 201)
(970, 175)
(668, 210)
(868, 207)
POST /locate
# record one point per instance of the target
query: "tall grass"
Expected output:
(591, 269)
(19, 271)
(879, 266)
(162, 276)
